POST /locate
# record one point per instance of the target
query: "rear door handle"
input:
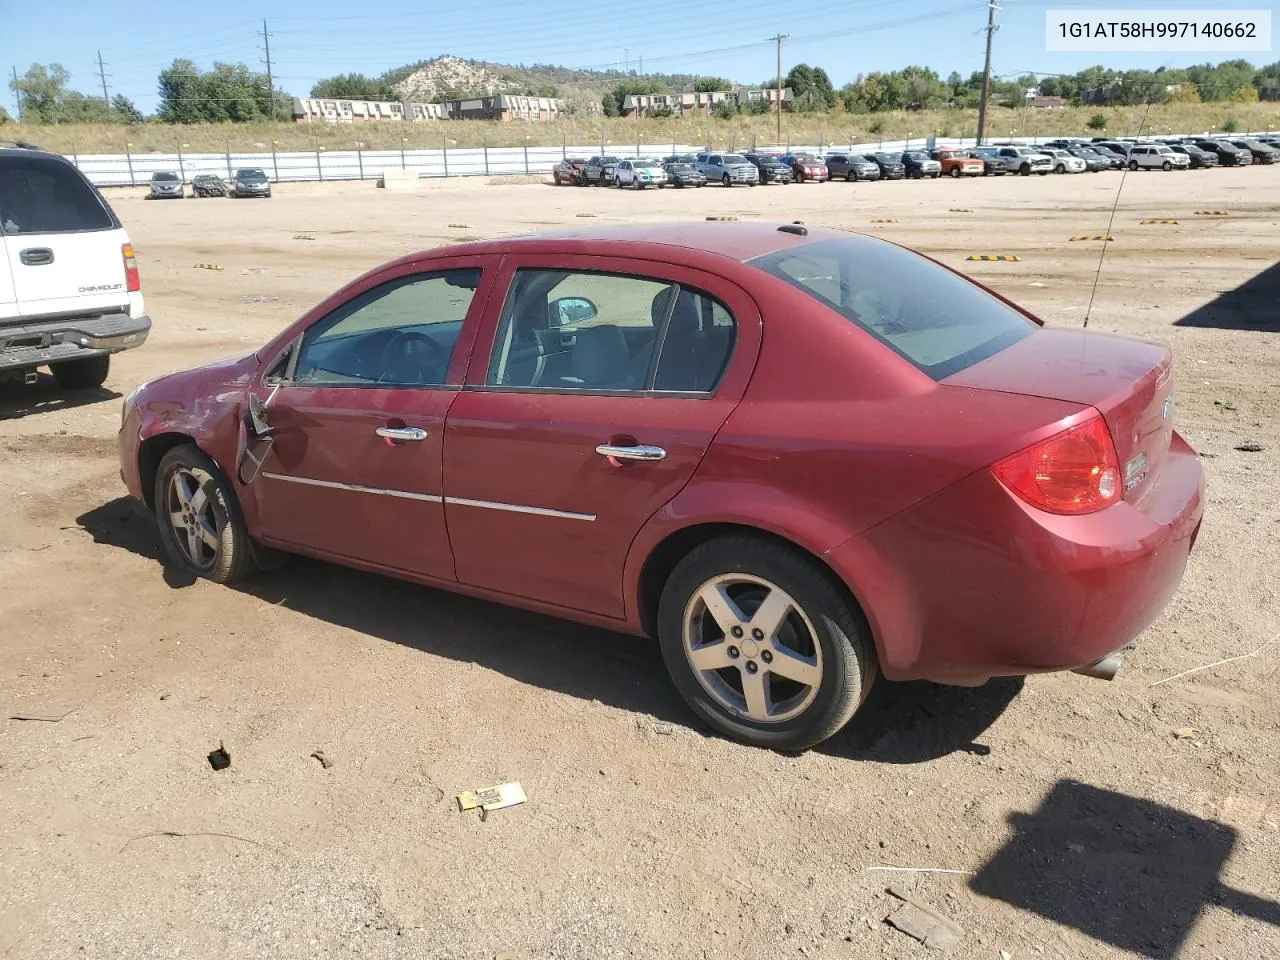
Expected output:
(36, 256)
(631, 453)
(401, 433)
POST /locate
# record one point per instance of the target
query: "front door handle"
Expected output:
(401, 433)
(631, 453)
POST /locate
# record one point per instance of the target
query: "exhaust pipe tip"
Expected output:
(1104, 669)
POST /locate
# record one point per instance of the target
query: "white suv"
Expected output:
(69, 289)
(1156, 156)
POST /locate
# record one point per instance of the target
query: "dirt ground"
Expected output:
(1083, 819)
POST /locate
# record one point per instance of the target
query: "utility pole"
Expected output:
(17, 95)
(986, 73)
(642, 65)
(103, 77)
(271, 86)
(626, 60)
(778, 38)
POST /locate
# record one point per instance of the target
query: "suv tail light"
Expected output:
(132, 282)
(1073, 472)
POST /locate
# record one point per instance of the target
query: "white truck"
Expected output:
(70, 295)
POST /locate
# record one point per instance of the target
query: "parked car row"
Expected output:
(1056, 156)
(248, 182)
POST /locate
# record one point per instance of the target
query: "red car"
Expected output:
(798, 457)
(805, 167)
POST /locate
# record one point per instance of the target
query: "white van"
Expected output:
(70, 295)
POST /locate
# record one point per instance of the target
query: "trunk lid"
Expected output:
(1130, 382)
(61, 241)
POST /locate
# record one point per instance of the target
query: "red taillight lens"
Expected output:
(133, 283)
(1073, 472)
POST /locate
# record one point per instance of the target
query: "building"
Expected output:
(700, 104)
(502, 107)
(1048, 103)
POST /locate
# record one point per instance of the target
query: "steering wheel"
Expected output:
(411, 357)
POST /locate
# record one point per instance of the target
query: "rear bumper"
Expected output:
(41, 342)
(973, 583)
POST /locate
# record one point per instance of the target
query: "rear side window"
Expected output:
(931, 317)
(44, 195)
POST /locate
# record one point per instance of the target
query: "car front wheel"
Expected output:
(763, 645)
(198, 517)
(1166, 166)
(724, 181)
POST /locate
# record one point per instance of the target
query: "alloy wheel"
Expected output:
(752, 648)
(191, 516)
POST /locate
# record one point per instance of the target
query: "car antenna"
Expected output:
(1102, 254)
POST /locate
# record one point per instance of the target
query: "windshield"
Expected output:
(680, 166)
(250, 175)
(684, 158)
(931, 317)
(169, 177)
(886, 158)
(610, 159)
(915, 156)
(729, 158)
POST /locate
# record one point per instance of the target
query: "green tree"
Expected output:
(724, 110)
(353, 86)
(811, 88)
(228, 92)
(1244, 95)
(711, 85)
(124, 109)
(612, 101)
(41, 91)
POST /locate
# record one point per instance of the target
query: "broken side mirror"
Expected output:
(259, 427)
(257, 437)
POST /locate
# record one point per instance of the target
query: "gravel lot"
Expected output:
(1097, 820)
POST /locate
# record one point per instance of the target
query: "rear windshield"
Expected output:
(931, 317)
(44, 195)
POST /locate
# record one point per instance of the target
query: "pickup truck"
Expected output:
(600, 170)
(70, 295)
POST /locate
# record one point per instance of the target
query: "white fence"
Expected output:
(114, 170)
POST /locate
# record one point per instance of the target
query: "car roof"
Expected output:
(699, 240)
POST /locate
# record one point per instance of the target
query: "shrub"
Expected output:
(1229, 125)
(1097, 122)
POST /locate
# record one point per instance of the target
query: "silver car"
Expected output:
(1024, 160)
(166, 185)
(727, 168)
(638, 174)
(1156, 156)
(1064, 162)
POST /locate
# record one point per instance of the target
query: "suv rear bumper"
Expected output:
(39, 342)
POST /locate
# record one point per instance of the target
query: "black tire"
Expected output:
(1133, 165)
(1024, 170)
(850, 177)
(233, 557)
(848, 663)
(1166, 166)
(1060, 168)
(83, 374)
(955, 173)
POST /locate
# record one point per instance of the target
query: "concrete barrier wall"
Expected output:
(113, 170)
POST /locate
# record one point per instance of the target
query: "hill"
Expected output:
(448, 77)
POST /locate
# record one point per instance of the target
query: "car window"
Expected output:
(400, 333)
(605, 332)
(46, 195)
(933, 318)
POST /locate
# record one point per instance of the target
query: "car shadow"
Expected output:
(900, 723)
(19, 400)
(1254, 305)
(1130, 873)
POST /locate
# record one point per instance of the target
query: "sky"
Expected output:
(319, 38)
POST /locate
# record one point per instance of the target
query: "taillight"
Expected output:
(1073, 472)
(133, 283)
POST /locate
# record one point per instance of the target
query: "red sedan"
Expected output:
(799, 458)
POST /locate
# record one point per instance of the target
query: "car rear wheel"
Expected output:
(763, 645)
(850, 177)
(198, 517)
(83, 374)
(1133, 165)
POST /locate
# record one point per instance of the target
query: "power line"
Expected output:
(103, 77)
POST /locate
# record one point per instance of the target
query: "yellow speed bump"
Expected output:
(1212, 213)
(206, 266)
(990, 257)
(1092, 236)
(1158, 221)
(467, 226)
(303, 236)
(961, 210)
(722, 218)
(883, 220)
